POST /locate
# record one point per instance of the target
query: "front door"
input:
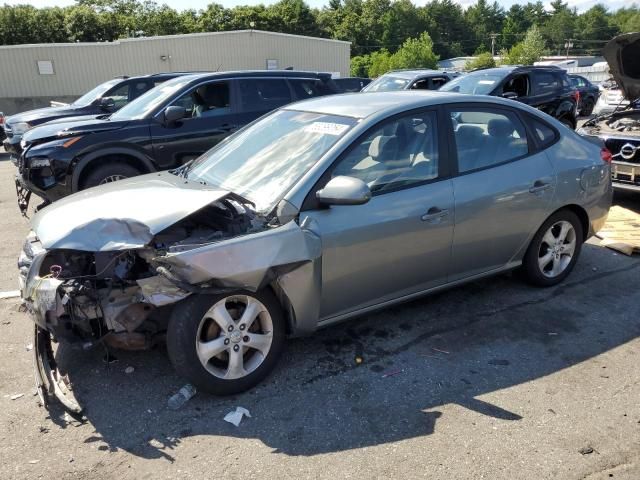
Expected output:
(399, 242)
(210, 117)
(502, 192)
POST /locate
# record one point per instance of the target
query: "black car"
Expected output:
(105, 98)
(417, 79)
(351, 84)
(620, 130)
(163, 129)
(589, 94)
(545, 88)
(2, 135)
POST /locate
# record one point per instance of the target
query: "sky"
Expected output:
(581, 5)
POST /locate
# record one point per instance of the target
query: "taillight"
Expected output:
(606, 155)
(576, 96)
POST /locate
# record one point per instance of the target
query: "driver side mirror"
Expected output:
(107, 104)
(510, 95)
(344, 190)
(174, 113)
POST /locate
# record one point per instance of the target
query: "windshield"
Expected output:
(149, 101)
(473, 83)
(263, 161)
(92, 95)
(387, 83)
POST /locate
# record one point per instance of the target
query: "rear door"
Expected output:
(546, 88)
(211, 115)
(503, 188)
(257, 96)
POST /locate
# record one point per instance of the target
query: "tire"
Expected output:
(567, 121)
(532, 269)
(202, 351)
(109, 173)
(587, 108)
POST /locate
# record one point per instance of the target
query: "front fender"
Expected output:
(83, 160)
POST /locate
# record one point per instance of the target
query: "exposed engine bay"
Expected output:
(621, 122)
(113, 296)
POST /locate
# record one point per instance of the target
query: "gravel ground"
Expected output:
(492, 380)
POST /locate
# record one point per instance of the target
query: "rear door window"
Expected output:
(485, 137)
(305, 88)
(545, 83)
(437, 82)
(518, 84)
(263, 94)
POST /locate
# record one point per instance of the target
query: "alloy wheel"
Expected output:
(557, 248)
(234, 337)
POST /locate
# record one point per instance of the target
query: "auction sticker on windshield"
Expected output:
(487, 82)
(327, 128)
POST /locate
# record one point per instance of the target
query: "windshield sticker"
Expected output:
(326, 128)
(487, 82)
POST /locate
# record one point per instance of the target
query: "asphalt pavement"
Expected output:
(493, 380)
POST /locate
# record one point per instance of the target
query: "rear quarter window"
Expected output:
(543, 133)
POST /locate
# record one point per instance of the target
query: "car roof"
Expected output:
(258, 73)
(365, 104)
(414, 73)
(507, 69)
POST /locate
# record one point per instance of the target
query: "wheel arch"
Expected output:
(92, 160)
(582, 215)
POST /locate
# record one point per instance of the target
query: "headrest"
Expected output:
(469, 131)
(381, 145)
(499, 128)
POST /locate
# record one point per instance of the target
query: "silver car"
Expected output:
(315, 213)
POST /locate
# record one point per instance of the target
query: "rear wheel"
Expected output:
(554, 250)
(108, 173)
(225, 344)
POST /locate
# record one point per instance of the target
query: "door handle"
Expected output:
(434, 214)
(539, 186)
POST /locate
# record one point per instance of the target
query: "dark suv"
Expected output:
(105, 98)
(163, 129)
(545, 88)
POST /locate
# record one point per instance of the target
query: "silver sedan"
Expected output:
(318, 212)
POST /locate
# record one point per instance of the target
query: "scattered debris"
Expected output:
(359, 360)
(129, 370)
(441, 351)
(235, 416)
(620, 232)
(183, 396)
(71, 459)
(595, 269)
(7, 322)
(17, 396)
(391, 374)
(29, 347)
(33, 462)
(585, 450)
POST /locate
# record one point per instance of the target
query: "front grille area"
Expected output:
(615, 145)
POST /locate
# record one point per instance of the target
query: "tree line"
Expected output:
(376, 28)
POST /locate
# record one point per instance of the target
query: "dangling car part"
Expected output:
(316, 213)
(620, 129)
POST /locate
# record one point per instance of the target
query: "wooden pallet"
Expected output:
(621, 232)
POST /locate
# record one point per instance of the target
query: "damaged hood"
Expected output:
(622, 53)
(121, 215)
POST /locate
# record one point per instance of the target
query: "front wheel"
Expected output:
(554, 250)
(587, 108)
(225, 344)
(111, 172)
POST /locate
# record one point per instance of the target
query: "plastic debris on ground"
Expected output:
(236, 415)
(129, 370)
(185, 394)
(17, 396)
(621, 232)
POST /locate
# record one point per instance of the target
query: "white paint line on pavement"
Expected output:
(10, 294)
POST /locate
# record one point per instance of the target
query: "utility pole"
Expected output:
(493, 43)
(568, 44)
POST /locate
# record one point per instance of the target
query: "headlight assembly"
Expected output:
(39, 163)
(20, 128)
